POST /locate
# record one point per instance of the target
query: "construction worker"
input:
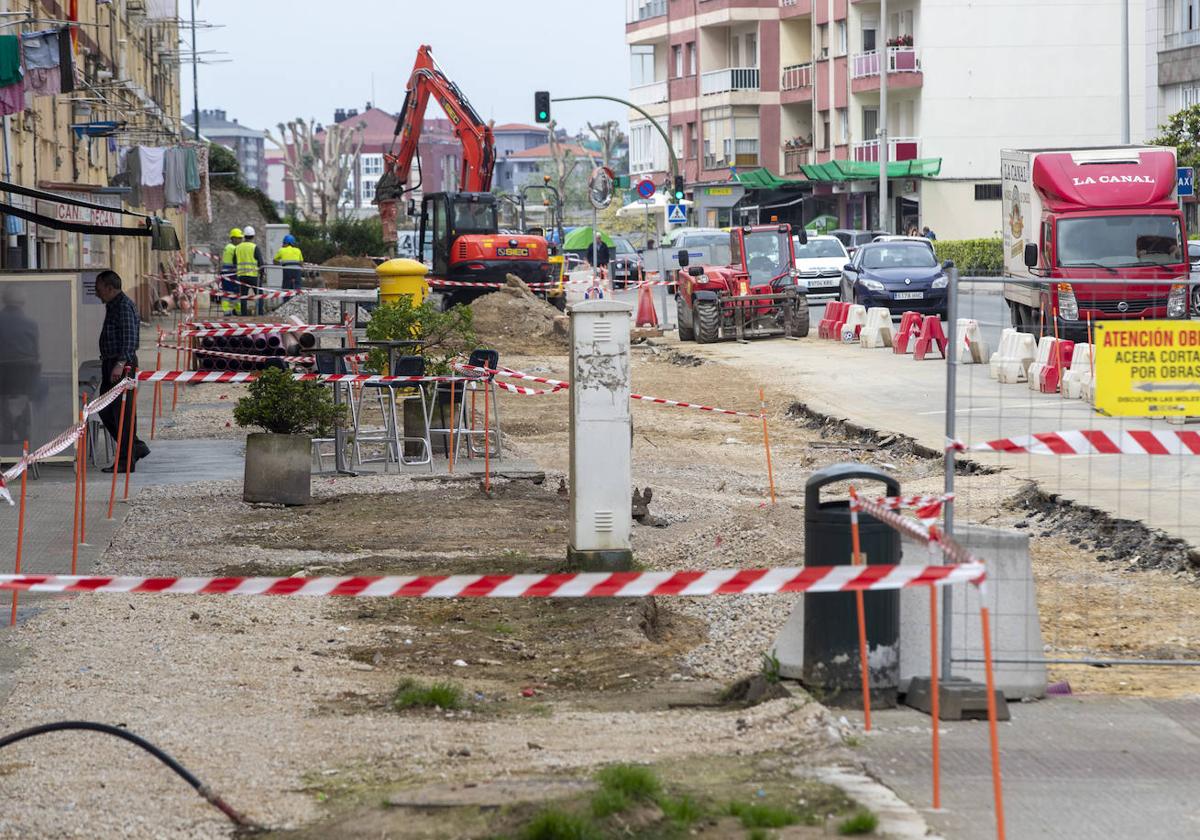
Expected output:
(292, 260)
(229, 270)
(249, 259)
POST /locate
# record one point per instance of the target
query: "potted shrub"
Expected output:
(289, 412)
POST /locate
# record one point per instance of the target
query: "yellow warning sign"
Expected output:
(1147, 368)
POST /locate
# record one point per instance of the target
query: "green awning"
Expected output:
(858, 170)
(762, 179)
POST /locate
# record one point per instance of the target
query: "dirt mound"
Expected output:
(349, 281)
(514, 320)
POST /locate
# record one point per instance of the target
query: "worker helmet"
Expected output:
(248, 231)
(235, 233)
(289, 240)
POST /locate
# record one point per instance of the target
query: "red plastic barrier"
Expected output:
(832, 312)
(908, 324)
(1060, 360)
(931, 336)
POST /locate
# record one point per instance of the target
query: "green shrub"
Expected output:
(636, 783)
(443, 335)
(283, 405)
(553, 824)
(410, 694)
(682, 811)
(606, 802)
(973, 257)
(221, 159)
(860, 822)
(761, 815)
(339, 238)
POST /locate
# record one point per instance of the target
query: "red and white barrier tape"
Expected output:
(928, 508)
(678, 404)
(250, 357)
(567, 585)
(1093, 442)
(928, 534)
(263, 329)
(280, 295)
(514, 374)
(196, 377)
(4, 491)
(526, 392)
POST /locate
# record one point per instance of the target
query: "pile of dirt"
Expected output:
(515, 320)
(349, 281)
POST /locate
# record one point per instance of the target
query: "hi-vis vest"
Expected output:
(290, 256)
(247, 265)
(227, 256)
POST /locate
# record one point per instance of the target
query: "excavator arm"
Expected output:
(479, 154)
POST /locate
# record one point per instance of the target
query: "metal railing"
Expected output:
(899, 148)
(651, 94)
(796, 76)
(639, 10)
(796, 157)
(899, 59)
(1176, 40)
(730, 78)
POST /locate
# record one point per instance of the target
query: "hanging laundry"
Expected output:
(175, 177)
(10, 60)
(130, 165)
(191, 169)
(40, 53)
(153, 159)
(66, 58)
(12, 99)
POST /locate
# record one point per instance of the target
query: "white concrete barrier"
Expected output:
(856, 318)
(1016, 355)
(1080, 373)
(1046, 349)
(994, 362)
(878, 330)
(972, 349)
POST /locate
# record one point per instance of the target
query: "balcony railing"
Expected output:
(1187, 38)
(899, 59)
(796, 76)
(731, 78)
(650, 94)
(740, 152)
(640, 10)
(899, 148)
(794, 157)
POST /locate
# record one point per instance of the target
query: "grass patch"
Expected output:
(761, 815)
(758, 834)
(606, 802)
(500, 628)
(682, 811)
(553, 824)
(411, 694)
(634, 782)
(860, 822)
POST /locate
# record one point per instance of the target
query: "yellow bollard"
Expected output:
(402, 277)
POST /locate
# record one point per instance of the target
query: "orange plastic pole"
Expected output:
(79, 455)
(453, 423)
(129, 443)
(993, 737)
(862, 620)
(20, 534)
(487, 447)
(935, 711)
(1091, 341)
(175, 392)
(762, 410)
(112, 493)
(1054, 312)
(83, 482)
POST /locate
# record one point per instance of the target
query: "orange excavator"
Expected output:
(462, 227)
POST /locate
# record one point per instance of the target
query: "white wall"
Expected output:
(950, 208)
(1000, 74)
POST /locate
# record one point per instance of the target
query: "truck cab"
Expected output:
(1092, 234)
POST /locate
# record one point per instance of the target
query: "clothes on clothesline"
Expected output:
(42, 58)
(12, 92)
(163, 176)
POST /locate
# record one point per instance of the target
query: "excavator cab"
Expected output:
(447, 216)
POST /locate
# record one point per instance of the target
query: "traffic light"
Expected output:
(541, 106)
(677, 193)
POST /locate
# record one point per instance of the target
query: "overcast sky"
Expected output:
(304, 58)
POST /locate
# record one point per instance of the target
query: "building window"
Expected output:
(731, 137)
(1189, 95)
(647, 151)
(869, 34)
(989, 192)
(693, 142)
(842, 38)
(641, 65)
(870, 129)
(823, 40)
(372, 165)
(843, 119)
(677, 140)
(691, 58)
(825, 135)
(677, 60)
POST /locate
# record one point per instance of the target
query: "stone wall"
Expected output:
(229, 211)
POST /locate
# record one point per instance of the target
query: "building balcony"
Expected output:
(899, 148)
(1179, 40)
(651, 94)
(796, 76)
(640, 10)
(795, 8)
(795, 157)
(729, 79)
(899, 60)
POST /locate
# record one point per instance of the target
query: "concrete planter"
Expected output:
(278, 469)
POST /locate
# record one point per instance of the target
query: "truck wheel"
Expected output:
(707, 322)
(686, 333)
(800, 321)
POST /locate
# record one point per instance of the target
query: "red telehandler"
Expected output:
(462, 227)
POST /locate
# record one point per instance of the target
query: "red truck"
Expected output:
(1078, 215)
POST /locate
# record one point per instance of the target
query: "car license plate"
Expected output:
(909, 295)
(823, 281)
(512, 252)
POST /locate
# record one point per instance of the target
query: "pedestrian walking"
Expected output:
(292, 260)
(119, 337)
(250, 264)
(229, 269)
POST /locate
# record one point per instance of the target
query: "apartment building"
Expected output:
(792, 87)
(247, 144)
(1172, 68)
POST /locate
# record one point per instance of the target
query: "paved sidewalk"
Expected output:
(1074, 768)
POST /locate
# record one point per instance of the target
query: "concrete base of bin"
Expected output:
(958, 699)
(1012, 600)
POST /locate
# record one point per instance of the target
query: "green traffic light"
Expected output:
(542, 115)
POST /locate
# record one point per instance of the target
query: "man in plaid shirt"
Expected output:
(119, 338)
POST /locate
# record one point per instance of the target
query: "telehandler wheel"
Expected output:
(707, 323)
(685, 333)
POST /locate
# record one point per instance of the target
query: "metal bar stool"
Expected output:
(392, 433)
(467, 430)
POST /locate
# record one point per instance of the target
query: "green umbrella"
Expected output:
(822, 224)
(581, 238)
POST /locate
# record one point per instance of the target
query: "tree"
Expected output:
(319, 163)
(1182, 131)
(610, 137)
(563, 162)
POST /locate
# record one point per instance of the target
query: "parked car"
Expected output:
(921, 240)
(625, 263)
(820, 264)
(1194, 271)
(852, 239)
(902, 276)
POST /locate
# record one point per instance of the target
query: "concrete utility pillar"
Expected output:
(601, 437)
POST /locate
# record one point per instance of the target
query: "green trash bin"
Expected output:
(831, 670)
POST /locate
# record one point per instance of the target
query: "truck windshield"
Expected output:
(818, 248)
(767, 255)
(1117, 241)
(475, 217)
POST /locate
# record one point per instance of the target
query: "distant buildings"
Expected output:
(247, 144)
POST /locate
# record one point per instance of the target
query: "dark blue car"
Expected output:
(902, 276)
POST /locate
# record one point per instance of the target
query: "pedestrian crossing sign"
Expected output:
(676, 214)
